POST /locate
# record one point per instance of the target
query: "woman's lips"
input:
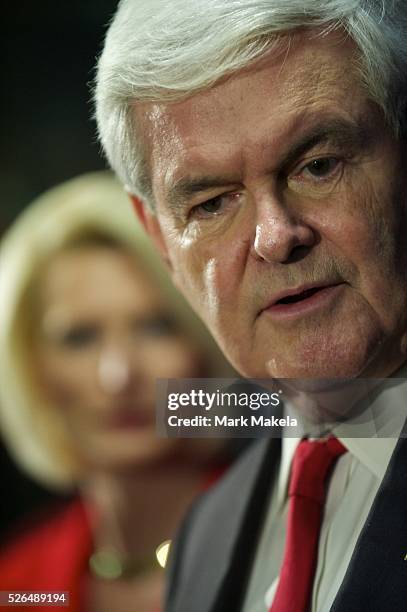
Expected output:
(131, 419)
(302, 302)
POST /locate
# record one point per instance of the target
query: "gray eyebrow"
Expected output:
(342, 133)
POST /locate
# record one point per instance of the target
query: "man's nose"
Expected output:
(281, 235)
(114, 369)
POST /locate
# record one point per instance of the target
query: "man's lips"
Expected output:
(302, 299)
(297, 293)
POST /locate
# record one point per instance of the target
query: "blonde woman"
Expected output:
(88, 321)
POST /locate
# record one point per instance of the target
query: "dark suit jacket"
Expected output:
(212, 557)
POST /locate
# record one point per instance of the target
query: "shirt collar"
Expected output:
(379, 428)
(385, 420)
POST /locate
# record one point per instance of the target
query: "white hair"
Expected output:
(156, 50)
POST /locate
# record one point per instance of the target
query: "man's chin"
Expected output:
(321, 375)
(315, 375)
(336, 353)
(310, 375)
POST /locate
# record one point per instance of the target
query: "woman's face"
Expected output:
(104, 335)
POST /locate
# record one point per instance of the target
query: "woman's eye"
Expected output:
(79, 337)
(156, 327)
(321, 168)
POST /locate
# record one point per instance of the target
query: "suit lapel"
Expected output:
(376, 579)
(243, 539)
(216, 556)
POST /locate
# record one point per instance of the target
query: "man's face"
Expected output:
(281, 207)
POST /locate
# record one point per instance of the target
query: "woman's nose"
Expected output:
(114, 370)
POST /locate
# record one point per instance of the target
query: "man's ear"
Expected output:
(152, 226)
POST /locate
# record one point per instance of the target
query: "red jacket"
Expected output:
(49, 556)
(52, 554)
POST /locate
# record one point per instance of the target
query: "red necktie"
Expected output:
(311, 464)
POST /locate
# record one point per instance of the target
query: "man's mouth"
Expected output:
(297, 297)
(302, 300)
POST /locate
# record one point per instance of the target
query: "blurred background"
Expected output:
(47, 135)
(48, 51)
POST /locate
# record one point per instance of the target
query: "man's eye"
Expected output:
(218, 205)
(317, 177)
(321, 168)
(209, 208)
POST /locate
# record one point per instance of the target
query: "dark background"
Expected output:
(48, 52)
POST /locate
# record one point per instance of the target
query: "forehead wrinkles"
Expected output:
(278, 89)
(318, 80)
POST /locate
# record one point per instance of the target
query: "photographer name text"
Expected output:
(230, 422)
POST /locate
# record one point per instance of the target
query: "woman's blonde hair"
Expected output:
(88, 208)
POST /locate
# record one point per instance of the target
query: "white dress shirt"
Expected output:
(354, 483)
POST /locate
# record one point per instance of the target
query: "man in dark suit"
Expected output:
(263, 145)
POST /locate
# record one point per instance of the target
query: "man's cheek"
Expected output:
(192, 274)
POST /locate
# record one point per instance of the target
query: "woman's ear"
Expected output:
(152, 227)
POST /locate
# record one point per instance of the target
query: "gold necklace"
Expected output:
(109, 564)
